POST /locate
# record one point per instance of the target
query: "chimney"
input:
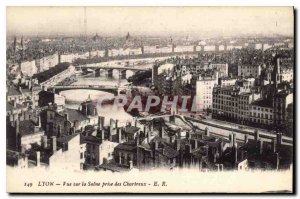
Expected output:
(172, 117)
(233, 139)
(151, 126)
(66, 116)
(102, 135)
(218, 167)
(130, 164)
(26, 160)
(44, 141)
(100, 122)
(189, 135)
(119, 135)
(206, 131)
(188, 148)
(230, 139)
(17, 126)
(277, 161)
(110, 136)
(29, 85)
(260, 146)
(137, 139)
(200, 136)
(156, 145)
(273, 145)
(38, 158)
(214, 156)
(54, 144)
(234, 153)
(116, 123)
(145, 130)
(196, 144)
(246, 139)
(279, 138)
(64, 146)
(256, 134)
(161, 131)
(278, 65)
(177, 144)
(135, 122)
(172, 139)
(148, 137)
(221, 147)
(23, 148)
(112, 129)
(221, 167)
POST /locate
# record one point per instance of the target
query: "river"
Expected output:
(77, 96)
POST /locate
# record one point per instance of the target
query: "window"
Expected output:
(81, 155)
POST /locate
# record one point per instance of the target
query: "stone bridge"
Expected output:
(111, 89)
(108, 70)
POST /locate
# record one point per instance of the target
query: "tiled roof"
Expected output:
(12, 90)
(74, 115)
(131, 129)
(169, 152)
(9, 106)
(127, 146)
(26, 127)
(66, 139)
(263, 103)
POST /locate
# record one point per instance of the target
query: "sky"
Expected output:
(167, 21)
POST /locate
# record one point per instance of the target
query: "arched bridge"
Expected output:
(110, 67)
(108, 70)
(111, 89)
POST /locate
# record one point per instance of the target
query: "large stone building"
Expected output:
(247, 70)
(204, 91)
(233, 102)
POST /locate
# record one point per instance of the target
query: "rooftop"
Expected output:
(12, 90)
(66, 139)
(27, 127)
(74, 115)
(127, 146)
(263, 103)
(131, 129)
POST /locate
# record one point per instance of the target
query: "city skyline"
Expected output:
(177, 21)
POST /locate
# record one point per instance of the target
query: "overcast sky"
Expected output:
(202, 21)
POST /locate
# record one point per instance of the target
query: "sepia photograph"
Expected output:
(150, 99)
